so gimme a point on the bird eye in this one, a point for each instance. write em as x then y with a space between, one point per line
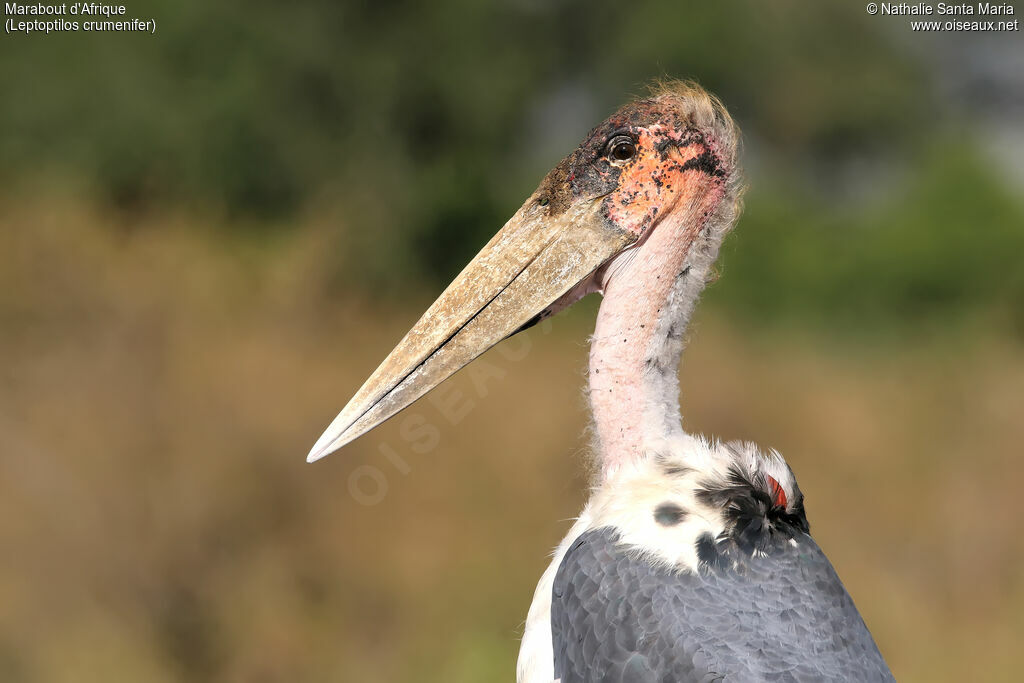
620 148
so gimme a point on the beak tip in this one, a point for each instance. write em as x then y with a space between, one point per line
327 444
337 434
530 264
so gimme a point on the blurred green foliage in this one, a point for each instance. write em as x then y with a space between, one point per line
421 126
943 245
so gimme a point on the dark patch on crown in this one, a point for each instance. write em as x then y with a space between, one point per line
706 162
753 521
669 514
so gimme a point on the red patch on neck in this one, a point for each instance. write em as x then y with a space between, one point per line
778 493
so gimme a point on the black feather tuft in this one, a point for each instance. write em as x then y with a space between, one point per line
707 552
753 522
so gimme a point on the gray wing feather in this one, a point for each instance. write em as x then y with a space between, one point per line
785 616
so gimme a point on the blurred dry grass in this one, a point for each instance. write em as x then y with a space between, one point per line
161 386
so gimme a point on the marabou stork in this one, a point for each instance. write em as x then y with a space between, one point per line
692 560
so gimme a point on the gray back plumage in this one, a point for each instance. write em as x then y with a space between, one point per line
781 615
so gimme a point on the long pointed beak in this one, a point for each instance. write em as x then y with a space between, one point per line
532 261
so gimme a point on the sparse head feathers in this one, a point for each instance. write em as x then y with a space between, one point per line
709 115
705 112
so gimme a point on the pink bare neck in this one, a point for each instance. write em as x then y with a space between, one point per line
649 293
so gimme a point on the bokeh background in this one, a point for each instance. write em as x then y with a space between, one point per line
210 236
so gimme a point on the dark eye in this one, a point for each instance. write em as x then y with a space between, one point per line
620 148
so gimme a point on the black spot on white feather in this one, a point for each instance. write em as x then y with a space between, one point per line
669 514
673 470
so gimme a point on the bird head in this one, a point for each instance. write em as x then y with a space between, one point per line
673 150
668 159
